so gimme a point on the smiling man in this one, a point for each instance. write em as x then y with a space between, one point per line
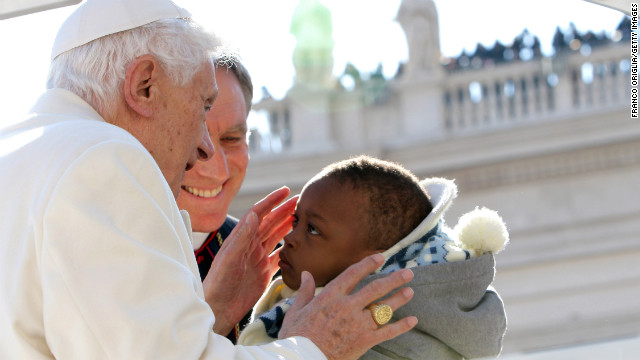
210 186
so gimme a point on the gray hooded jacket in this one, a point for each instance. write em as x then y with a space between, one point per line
459 315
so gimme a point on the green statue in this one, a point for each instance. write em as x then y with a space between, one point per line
313 55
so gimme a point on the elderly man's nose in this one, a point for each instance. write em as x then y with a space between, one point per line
205 150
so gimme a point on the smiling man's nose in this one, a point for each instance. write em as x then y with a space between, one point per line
216 167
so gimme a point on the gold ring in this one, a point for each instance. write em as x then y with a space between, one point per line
381 313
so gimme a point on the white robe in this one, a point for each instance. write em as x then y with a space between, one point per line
96 259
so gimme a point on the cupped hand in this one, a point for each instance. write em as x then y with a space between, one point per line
246 262
339 322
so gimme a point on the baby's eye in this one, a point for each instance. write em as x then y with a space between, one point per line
312 230
295 220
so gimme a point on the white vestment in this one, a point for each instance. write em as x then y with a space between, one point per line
96 258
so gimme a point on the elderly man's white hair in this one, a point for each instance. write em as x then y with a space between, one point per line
94 66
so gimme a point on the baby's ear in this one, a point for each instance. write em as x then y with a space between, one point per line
482 230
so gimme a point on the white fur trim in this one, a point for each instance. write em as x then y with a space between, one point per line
482 230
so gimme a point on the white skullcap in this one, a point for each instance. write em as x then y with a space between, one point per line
97 18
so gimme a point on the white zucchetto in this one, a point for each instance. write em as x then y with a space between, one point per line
97 18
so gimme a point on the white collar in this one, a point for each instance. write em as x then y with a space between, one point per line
199 239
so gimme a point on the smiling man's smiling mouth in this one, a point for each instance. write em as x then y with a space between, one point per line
203 193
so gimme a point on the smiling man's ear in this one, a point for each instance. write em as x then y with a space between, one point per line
141 76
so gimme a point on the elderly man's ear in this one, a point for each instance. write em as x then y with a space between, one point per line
140 84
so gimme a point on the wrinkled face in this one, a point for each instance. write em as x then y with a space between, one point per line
328 235
210 186
180 135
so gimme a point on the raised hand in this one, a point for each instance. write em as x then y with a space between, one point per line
245 264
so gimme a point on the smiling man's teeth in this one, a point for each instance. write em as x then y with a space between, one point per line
203 193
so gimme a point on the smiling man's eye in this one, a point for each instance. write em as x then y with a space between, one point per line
231 139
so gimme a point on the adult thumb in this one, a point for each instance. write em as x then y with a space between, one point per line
305 292
294 320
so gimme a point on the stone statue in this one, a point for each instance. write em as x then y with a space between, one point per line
419 19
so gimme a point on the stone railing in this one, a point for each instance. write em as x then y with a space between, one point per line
472 101
544 89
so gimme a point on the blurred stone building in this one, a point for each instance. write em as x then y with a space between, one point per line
547 141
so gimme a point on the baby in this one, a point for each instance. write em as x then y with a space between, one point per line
357 207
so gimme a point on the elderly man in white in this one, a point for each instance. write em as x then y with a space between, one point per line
96 258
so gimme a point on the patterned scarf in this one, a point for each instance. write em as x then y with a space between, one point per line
433 248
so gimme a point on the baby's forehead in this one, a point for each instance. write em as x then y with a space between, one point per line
332 189
331 182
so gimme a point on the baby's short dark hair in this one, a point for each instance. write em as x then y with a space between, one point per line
396 202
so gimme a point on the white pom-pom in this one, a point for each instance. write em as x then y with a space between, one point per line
482 230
